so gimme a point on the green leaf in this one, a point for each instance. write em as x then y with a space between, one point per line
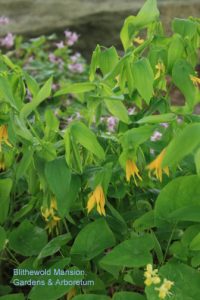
5 189
76 88
178 201
43 94
181 77
93 239
154 119
184 27
195 243
176 51
27 239
181 145
134 252
32 84
128 296
54 245
2 238
87 139
58 176
144 78
147 14
6 92
24 163
108 59
136 136
117 109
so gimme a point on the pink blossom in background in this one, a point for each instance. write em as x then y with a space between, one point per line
179 120
53 58
111 122
7 41
72 37
165 125
60 45
76 68
152 151
131 111
156 136
74 58
55 86
4 20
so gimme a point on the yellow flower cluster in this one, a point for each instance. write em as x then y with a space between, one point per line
49 215
164 289
195 80
152 277
160 67
97 198
138 40
132 170
4 136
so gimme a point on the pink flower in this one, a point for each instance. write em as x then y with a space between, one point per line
165 125
76 68
131 111
4 20
60 45
7 41
55 86
111 122
72 37
156 136
74 58
52 58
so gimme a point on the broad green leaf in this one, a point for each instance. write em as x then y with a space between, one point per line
185 27
136 136
42 95
183 144
128 296
24 163
2 238
93 239
118 109
146 221
58 176
54 245
134 252
108 59
27 239
143 78
94 62
5 189
76 88
6 92
176 51
178 201
32 84
181 77
154 119
197 161
87 139
147 14
195 243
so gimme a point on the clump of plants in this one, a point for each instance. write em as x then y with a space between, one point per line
117 208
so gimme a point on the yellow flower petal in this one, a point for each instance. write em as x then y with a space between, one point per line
132 170
156 166
97 198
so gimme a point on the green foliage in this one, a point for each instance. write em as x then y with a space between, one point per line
99 166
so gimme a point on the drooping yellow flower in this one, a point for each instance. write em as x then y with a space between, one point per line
49 215
132 170
97 198
4 136
195 80
156 166
160 67
151 276
164 289
138 40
